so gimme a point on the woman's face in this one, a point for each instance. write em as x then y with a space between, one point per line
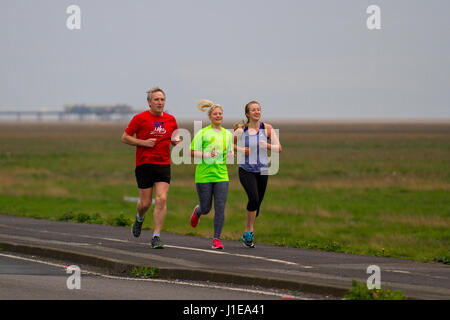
254 112
216 116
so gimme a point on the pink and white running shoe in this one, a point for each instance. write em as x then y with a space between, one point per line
217 244
194 218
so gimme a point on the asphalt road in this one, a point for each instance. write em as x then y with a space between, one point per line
191 258
26 277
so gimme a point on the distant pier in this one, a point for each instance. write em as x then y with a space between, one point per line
61 115
74 112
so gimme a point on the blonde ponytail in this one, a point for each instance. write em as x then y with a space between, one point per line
204 104
239 125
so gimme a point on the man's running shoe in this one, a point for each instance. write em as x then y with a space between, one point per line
137 227
157 243
194 218
217 244
247 239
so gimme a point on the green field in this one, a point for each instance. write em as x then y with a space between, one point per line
365 188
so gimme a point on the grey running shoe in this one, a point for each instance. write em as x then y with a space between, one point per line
137 227
247 239
157 243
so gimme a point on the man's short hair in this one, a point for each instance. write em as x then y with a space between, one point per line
153 90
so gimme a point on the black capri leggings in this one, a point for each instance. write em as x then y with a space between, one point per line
254 184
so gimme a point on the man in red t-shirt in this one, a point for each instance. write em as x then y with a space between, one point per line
153 129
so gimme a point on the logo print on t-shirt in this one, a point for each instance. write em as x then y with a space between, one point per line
159 128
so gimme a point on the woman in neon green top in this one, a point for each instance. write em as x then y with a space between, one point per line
210 148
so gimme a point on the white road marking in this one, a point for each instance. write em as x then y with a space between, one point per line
33 260
398 271
168 246
110 239
176 282
232 254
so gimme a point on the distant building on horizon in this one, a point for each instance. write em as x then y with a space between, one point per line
98 109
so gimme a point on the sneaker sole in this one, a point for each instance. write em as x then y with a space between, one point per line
192 225
132 233
217 248
247 246
193 213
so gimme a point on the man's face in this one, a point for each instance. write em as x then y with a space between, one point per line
157 102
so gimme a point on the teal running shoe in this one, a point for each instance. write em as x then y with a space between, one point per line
247 239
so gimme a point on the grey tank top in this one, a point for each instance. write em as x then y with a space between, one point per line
257 158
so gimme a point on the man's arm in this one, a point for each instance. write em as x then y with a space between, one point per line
132 141
175 139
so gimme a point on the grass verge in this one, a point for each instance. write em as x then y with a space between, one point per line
359 291
145 272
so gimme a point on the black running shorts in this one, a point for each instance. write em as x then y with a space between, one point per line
147 174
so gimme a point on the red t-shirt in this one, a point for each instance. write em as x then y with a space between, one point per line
146 125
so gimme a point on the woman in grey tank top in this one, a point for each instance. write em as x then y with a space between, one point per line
251 141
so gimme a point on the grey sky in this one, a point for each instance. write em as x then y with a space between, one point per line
300 59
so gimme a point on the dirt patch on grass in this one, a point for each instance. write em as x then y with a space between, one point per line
419 221
30 181
377 181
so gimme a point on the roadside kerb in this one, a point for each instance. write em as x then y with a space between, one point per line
122 267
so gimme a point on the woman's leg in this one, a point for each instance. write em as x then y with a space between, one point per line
249 182
205 192
220 190
261 181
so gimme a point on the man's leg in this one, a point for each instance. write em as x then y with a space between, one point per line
145 201
159 214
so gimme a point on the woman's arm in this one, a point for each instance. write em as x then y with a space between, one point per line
275 144
237 135
204 155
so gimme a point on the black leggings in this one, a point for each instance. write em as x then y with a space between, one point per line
255 185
